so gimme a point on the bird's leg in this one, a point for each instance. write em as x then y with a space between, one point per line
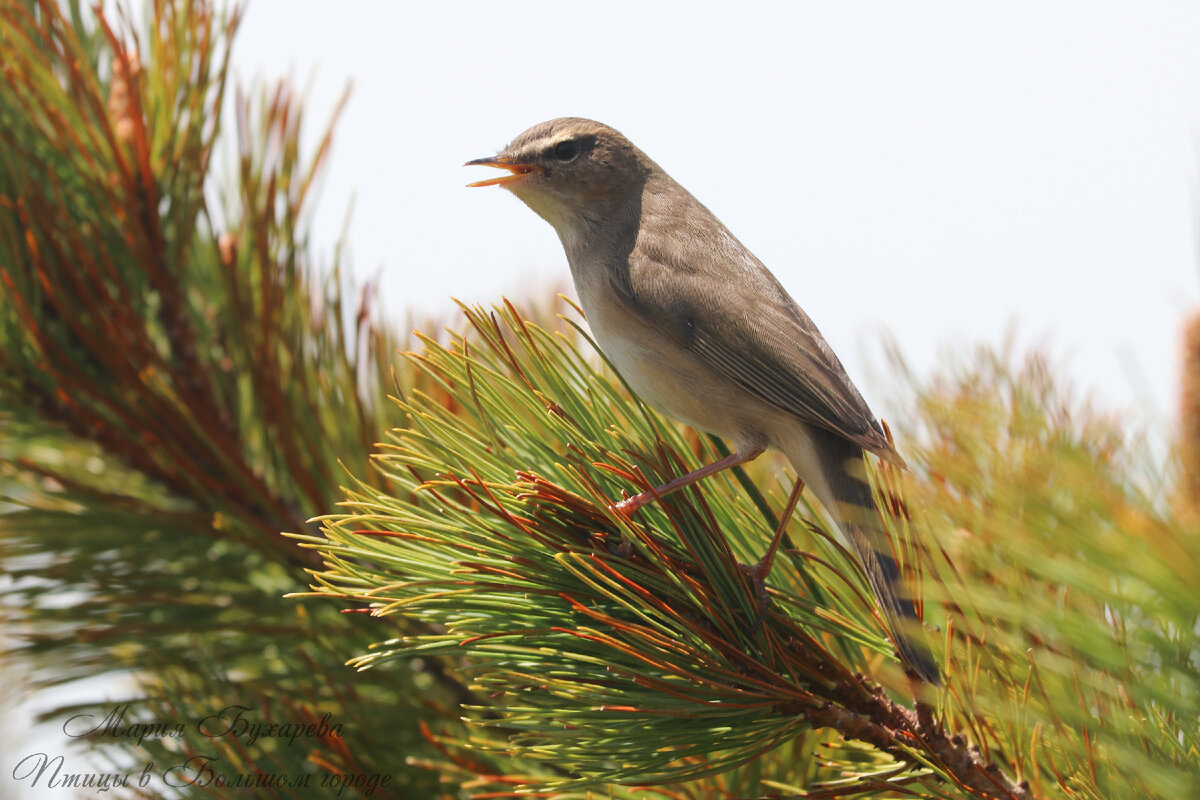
743 455
758 572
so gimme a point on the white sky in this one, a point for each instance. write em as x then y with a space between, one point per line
933 169
937 170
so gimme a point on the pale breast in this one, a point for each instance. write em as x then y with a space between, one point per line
666 376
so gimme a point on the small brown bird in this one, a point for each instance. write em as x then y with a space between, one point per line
701 329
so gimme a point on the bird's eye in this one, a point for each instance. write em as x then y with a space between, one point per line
565 151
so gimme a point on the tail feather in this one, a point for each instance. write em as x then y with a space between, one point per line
888 585
845 492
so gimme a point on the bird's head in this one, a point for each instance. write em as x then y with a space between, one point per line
570 170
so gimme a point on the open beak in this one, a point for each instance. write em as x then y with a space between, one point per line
517 170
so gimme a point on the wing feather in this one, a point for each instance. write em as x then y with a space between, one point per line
753 333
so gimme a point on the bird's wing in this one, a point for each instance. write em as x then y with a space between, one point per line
742 323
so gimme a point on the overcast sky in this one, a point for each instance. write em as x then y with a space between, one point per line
938 171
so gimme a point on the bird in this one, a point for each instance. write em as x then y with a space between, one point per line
699 328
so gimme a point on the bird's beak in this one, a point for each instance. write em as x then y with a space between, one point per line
517 170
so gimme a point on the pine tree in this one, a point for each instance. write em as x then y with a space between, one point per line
189 412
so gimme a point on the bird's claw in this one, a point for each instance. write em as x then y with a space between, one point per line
629 505
623 508
757 575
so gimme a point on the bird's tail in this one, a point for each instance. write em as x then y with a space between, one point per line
846 494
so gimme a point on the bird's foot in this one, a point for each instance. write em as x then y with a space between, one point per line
757 573
630 505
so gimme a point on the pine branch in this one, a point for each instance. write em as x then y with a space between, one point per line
176 395
617 624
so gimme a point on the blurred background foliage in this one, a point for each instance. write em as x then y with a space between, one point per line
182 390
